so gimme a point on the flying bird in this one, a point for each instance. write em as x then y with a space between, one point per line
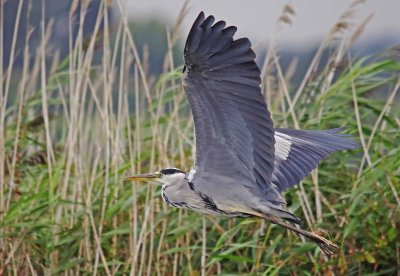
242 164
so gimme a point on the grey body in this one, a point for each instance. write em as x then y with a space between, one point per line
179 192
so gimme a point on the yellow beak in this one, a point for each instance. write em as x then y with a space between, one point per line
143 177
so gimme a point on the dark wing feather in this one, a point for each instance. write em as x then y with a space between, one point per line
298 152
234 130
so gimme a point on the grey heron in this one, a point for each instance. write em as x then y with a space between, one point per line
242 164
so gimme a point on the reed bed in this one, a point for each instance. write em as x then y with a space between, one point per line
72 128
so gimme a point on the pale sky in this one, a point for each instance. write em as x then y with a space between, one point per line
257 19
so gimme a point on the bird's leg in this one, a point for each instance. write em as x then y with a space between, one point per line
326 246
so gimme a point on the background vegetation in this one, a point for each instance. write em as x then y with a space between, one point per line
72 128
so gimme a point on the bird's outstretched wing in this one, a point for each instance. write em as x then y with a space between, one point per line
298 152
234 130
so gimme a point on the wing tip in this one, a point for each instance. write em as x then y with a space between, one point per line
200 17
193 39
208 38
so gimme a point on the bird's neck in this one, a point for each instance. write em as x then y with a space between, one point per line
176 193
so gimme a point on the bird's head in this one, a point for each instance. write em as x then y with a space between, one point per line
164 176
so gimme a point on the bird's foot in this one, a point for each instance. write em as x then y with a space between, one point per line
328 247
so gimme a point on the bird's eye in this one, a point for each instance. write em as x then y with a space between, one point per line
158 174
